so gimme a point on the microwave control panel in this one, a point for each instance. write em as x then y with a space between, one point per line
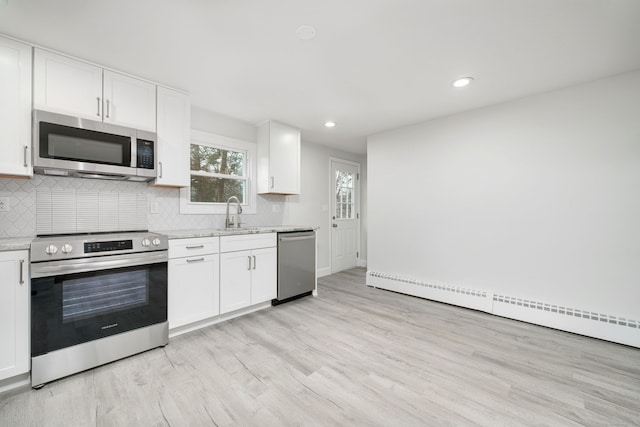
145 158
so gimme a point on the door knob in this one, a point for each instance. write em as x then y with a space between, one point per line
335 225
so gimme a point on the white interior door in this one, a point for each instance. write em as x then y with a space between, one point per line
345 215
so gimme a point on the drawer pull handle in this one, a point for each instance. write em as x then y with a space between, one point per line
195 247
195 260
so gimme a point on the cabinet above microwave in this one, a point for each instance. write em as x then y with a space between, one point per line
68 86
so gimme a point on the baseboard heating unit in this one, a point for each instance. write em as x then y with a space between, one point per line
593 324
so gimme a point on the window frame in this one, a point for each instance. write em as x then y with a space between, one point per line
225 143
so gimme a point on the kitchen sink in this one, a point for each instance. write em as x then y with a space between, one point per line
241 229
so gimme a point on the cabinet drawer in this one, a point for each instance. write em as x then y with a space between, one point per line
247 242
195 246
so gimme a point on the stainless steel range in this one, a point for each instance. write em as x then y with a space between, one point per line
95 298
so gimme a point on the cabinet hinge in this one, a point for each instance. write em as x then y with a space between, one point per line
358 176
357 216
357 254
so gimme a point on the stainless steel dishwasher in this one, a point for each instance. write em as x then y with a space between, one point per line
296 265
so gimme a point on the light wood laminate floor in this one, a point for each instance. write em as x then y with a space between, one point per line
352 356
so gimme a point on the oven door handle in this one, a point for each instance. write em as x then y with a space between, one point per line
81 265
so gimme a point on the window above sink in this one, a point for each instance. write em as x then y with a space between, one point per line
220 167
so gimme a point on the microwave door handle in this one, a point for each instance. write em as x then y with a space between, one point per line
134 151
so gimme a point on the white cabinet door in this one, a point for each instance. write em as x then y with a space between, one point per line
67 86
174 122
193 289
235 280
278 159
15 108
14 313
264 279
129 102
285 159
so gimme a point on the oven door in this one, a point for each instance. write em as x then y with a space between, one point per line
76 301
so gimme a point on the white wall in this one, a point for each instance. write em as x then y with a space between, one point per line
316 191
537 198
219 124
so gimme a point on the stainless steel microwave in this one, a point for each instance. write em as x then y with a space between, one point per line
71 146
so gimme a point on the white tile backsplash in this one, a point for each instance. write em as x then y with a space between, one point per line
22 219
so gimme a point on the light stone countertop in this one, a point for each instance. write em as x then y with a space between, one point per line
15 243
22 243
215 232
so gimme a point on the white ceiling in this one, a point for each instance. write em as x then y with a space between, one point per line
374 64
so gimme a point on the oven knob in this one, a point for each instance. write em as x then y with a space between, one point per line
51 249
66 248
156 242
146 242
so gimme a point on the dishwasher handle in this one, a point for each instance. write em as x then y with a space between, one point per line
294 238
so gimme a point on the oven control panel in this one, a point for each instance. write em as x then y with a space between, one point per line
116 245
50 248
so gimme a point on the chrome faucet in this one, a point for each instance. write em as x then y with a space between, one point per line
228 223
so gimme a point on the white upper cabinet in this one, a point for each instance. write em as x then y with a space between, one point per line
15 108
68 86
174 122
129 102
278 158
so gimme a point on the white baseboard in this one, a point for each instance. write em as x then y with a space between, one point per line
597 325
362 263
19 381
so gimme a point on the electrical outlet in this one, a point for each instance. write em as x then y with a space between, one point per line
275 208
153 208
4 204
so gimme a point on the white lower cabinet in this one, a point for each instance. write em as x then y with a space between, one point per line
194 280
14 313
248 270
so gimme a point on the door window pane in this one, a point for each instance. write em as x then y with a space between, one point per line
345 199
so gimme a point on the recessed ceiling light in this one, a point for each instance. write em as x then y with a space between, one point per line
306 32
462 82
330 124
